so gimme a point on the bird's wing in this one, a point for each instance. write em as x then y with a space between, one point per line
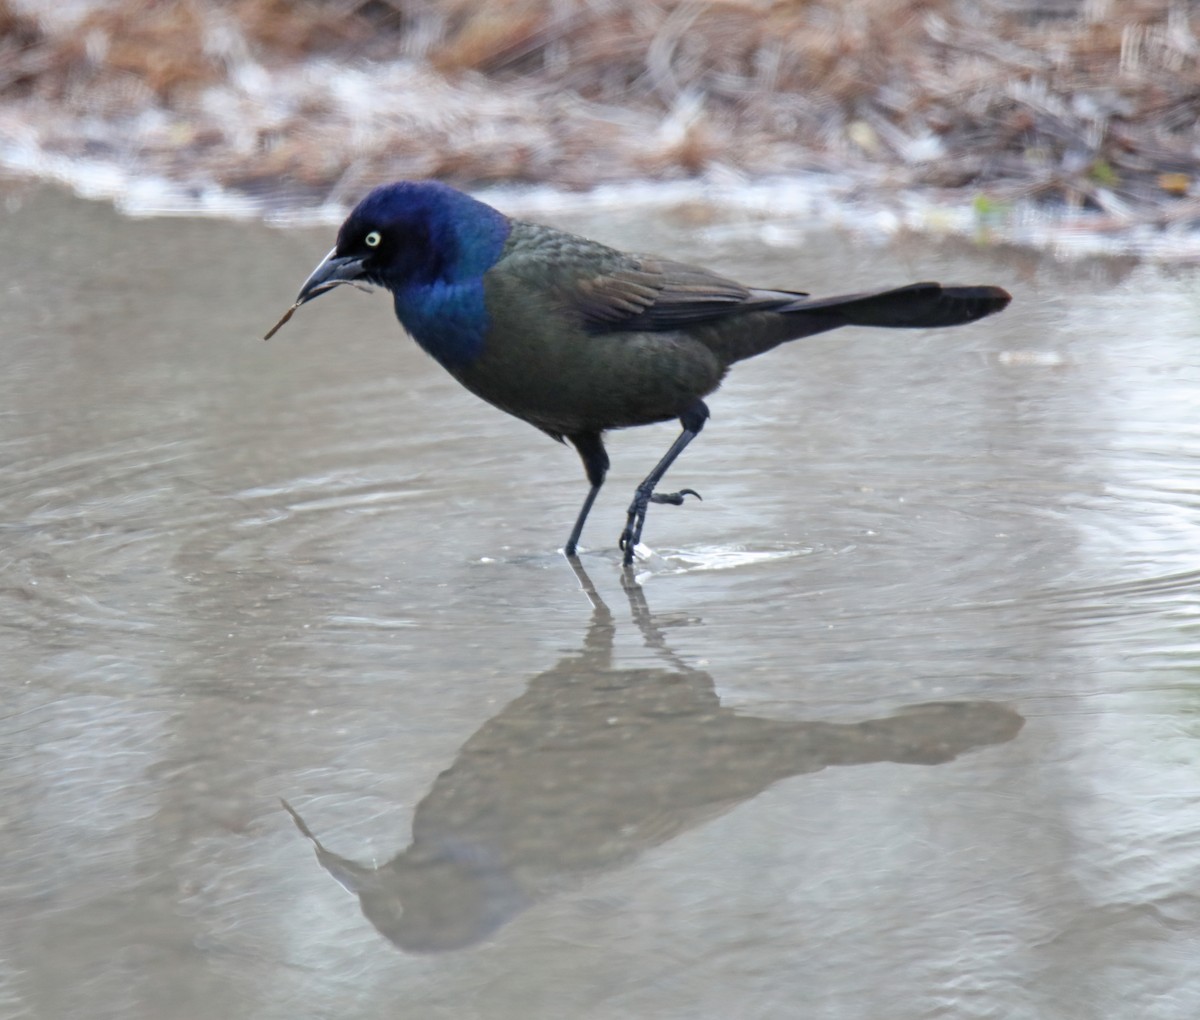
648 293
616 292
613 291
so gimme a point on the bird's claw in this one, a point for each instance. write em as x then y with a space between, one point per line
674 498
632 535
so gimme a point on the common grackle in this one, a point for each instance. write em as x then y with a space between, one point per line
575 337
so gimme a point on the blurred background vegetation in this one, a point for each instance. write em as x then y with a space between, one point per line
1089 102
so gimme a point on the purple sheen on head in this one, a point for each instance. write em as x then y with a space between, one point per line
434 246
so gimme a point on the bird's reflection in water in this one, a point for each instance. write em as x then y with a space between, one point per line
593 765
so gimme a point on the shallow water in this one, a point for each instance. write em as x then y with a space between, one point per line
903 720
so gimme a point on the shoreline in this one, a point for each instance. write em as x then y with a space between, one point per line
773 203
1073 132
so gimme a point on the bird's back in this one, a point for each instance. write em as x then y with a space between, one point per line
583 337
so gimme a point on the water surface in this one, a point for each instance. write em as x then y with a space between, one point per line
902 720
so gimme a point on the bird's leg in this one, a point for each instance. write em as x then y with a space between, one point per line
692 420
644 495
595 462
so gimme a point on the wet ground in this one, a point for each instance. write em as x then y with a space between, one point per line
902 721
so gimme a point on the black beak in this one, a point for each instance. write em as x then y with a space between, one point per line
334 269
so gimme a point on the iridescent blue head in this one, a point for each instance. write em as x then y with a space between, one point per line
430 246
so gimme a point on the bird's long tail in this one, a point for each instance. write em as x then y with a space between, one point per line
917 306
793 316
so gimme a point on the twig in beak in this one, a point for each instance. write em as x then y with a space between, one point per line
286 315
308 297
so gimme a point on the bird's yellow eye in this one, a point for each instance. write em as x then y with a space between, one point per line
373 239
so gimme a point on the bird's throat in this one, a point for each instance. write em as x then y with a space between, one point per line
449 320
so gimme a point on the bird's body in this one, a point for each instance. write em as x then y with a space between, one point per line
577 338
549 362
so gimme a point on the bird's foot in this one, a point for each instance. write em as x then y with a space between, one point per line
674 498
636 517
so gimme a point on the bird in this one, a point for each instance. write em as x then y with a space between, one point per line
578 338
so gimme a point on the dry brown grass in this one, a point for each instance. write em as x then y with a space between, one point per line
1084 100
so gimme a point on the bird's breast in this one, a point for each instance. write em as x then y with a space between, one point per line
449 321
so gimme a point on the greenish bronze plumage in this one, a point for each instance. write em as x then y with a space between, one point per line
577 338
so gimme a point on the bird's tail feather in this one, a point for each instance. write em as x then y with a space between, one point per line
917 306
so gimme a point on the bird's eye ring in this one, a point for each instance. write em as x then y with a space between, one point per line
373 239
